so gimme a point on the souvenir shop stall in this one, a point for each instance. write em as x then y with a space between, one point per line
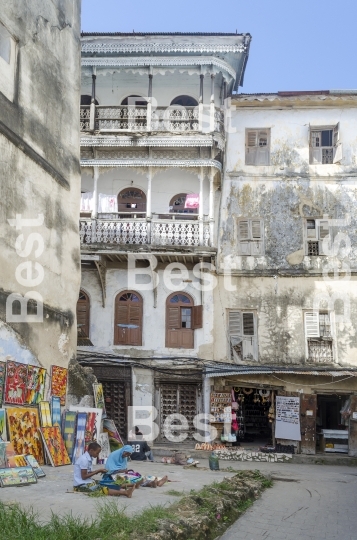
243 415
37 429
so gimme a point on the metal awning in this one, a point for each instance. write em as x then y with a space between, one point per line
269 370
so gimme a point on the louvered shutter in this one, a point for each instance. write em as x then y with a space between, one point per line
256 247
135 325
248 324
311 232
235 323
197 317
83 318
312 328
173 322
315 147
121 332
262 157
336 134
337 146
324 232
251 147
243 231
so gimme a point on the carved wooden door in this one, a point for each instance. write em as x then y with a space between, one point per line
308 405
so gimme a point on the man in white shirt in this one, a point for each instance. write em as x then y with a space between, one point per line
83 473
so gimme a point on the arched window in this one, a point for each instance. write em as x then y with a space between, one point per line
134 101
128 319
177 205
87 100
83 311
131 201
182 318
184 101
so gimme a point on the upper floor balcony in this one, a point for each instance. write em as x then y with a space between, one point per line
145 118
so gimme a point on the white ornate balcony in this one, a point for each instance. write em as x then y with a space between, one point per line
157 232
128 118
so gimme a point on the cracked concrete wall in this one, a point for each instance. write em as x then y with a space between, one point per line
282 282
40 174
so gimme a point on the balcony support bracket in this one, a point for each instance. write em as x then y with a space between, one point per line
102 274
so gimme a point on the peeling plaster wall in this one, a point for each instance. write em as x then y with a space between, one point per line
283 282
39 174
101 331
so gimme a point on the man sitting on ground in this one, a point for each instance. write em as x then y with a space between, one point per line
83 473
141 449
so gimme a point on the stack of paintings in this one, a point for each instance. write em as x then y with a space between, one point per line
54 445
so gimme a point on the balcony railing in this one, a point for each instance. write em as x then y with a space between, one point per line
157 232
143 118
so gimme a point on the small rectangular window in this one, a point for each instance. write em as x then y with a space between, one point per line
251 237
242 335
325 146
319 337
316 231
257 147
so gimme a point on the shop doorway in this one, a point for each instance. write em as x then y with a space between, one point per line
254 415
331 427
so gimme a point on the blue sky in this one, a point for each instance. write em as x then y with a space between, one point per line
297 45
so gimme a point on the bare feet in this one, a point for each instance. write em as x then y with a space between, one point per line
153 484
129 492
138 484
162 481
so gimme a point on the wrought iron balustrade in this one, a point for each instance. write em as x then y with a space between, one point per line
160 232
132 118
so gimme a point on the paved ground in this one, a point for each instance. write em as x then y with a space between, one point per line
321 504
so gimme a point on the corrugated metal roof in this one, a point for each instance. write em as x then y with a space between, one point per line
127 34
247 370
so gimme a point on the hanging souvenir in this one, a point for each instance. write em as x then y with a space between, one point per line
248 391
256 398
235 405
265 394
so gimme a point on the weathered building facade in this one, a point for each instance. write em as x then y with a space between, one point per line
286 301
152 144
40 180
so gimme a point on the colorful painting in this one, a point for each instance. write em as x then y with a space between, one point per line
23 423
115 440
56 410
54 445
69 430
94 424
17 461
32 462
59 382
35 387
15 383
2 380
103 440
3 425
80 436
99 398
45 414
17 477
3 459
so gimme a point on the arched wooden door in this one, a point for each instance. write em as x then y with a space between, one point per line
132 202
128 320
179 321
83 312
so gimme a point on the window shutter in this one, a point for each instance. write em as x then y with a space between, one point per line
337 153
251 147
173 318
248 324
315 155
197 317
311 229
244 244
121 318
262 157
312 328
257 237
235 323
336 134
324 232
135 323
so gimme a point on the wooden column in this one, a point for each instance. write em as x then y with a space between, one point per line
212 108
200 102
200 208
149 105
92 104
211 206
95 192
